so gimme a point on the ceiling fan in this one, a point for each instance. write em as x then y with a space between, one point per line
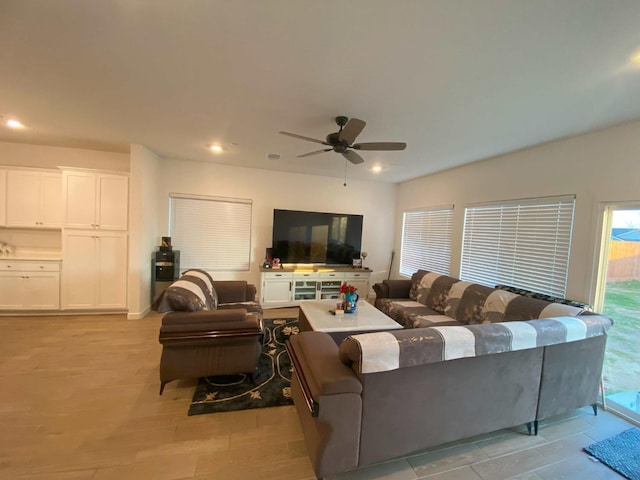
342 141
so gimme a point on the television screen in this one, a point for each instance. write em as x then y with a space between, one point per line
316 237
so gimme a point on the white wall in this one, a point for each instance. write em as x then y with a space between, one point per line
602 166
143 227
25 155
269 190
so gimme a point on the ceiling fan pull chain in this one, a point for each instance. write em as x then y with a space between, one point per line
345 173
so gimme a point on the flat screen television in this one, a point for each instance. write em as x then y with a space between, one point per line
316 237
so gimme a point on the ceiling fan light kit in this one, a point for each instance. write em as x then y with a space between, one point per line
342 141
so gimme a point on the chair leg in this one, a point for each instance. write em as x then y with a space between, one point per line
595 408
535 427
162 384
529 427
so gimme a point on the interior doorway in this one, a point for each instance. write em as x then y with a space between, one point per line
618 296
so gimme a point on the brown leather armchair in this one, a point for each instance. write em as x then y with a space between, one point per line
224 341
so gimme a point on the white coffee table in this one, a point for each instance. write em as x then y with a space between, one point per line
315 315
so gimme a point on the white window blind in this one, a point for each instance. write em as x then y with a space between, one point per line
211 233
426 241
524 244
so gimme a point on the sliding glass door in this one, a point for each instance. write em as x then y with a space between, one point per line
618 296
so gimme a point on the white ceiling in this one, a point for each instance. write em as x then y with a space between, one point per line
458 80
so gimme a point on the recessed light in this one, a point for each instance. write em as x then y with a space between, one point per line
635 57
215 148
376 169
13 123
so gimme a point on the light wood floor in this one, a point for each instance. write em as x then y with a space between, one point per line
79 400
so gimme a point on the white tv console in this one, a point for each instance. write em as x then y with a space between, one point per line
285 287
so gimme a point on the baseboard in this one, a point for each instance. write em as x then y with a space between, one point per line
138 315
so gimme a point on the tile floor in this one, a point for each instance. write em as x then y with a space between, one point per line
79 401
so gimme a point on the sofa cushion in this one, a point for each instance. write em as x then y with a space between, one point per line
232 291
403 311
453 300
415 283
433 290
471 303
496 305
422 321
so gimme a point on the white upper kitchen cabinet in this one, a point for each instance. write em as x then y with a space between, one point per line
33 199
98 201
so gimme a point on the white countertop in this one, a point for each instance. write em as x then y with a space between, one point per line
33 255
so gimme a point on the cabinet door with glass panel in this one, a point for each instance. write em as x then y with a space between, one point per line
330 283
305 286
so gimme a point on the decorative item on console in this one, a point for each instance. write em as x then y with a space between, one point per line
351 297
165 246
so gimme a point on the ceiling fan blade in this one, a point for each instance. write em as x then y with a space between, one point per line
309 139
351 130
380 146
314 153
353 157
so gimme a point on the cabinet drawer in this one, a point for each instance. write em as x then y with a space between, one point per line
355 276
29 266
277 275
306 276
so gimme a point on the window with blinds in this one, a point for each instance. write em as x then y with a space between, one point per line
211 233
426 240
524 244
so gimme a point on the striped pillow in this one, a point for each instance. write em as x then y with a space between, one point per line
190 293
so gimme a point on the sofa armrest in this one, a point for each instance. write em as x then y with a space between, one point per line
209 324
392 289
314 356
234 291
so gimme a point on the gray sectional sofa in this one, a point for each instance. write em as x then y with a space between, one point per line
472 360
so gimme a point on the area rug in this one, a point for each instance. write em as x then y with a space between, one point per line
271 385
620 452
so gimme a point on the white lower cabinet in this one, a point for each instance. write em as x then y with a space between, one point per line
276 288
29 285
360 280
94 274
